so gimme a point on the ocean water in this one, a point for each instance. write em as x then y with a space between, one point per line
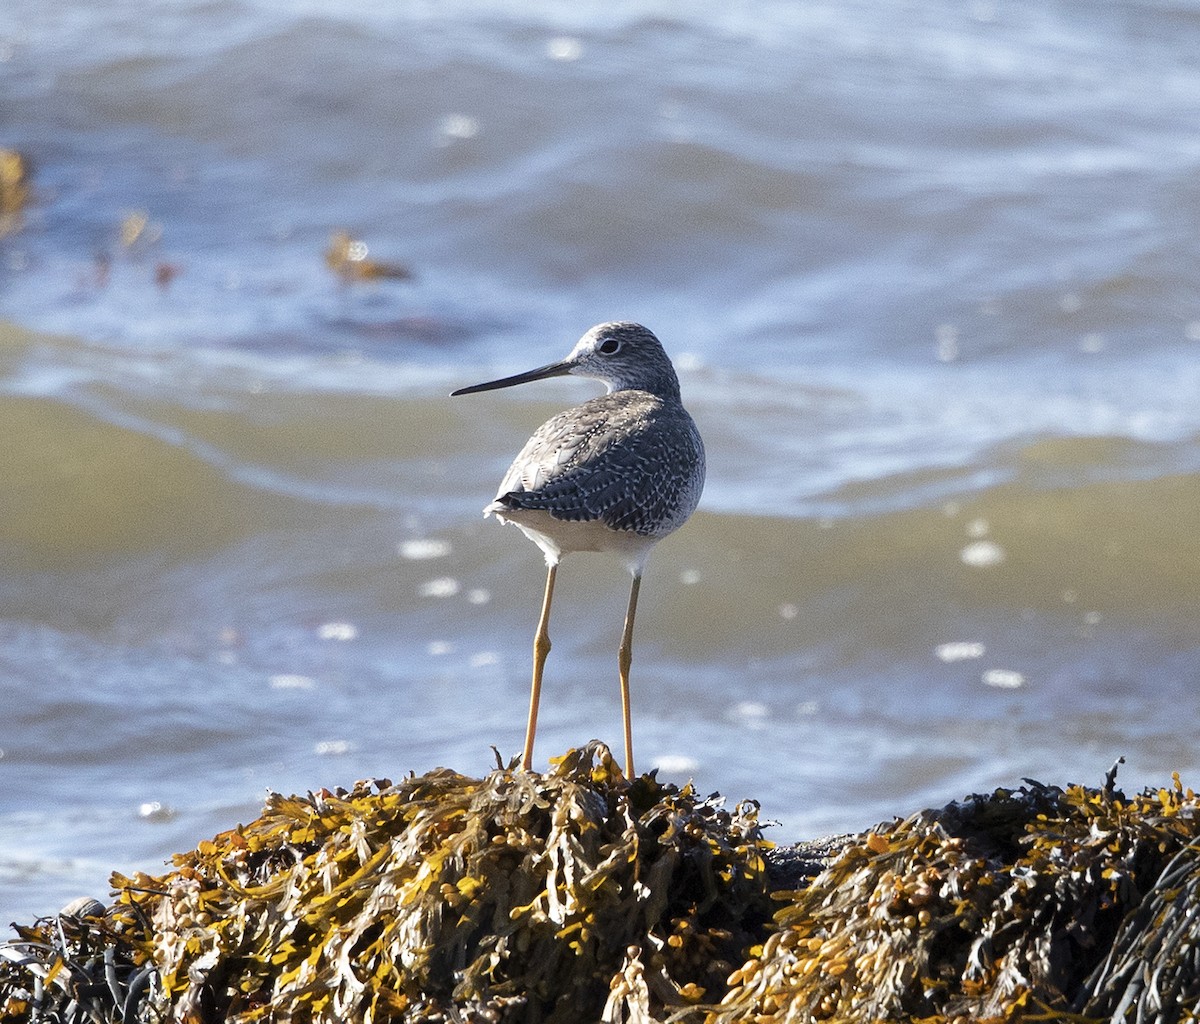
927 272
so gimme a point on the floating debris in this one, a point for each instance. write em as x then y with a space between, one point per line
350 259
138 237
137 230
579 895
15 190
166 272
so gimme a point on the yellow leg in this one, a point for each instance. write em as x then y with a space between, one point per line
541 648
624 658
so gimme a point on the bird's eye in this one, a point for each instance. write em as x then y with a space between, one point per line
609 346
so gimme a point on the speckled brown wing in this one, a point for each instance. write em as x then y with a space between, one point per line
627 459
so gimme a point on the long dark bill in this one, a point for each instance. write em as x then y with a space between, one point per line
549 370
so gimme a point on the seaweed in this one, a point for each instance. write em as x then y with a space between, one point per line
516 897
580 895
1037 903
79 965
15 190
348 258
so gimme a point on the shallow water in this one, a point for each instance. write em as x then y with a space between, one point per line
927 272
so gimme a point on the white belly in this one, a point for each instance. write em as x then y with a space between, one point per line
558 537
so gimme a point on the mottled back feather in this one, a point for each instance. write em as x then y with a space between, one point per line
630 459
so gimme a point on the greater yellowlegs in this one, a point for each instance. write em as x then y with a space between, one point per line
615 474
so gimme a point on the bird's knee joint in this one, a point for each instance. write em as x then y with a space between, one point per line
624 658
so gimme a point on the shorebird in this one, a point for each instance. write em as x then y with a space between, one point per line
615 474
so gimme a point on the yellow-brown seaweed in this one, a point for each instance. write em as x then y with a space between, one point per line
348 258
1034 904
579 895
15 190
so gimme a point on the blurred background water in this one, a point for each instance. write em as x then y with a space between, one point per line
928 272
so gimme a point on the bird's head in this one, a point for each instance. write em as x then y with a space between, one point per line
622 354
